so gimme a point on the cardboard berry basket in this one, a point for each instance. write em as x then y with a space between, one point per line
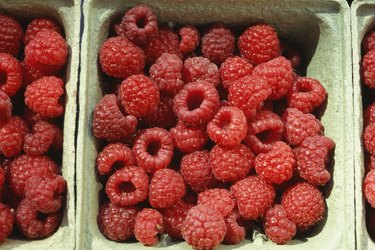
321 29
67 14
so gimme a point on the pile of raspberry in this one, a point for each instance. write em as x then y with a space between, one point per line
32 191
207 135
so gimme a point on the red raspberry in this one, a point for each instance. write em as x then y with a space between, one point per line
188 139
298 126
369 188
253 204
369 114
200 68
189 39
166 73
148 224
31 118
312 157
6 221
10 74
38 25
369 163
109 122
368 42
120 58
277 226
264 130
115 222
219 199
259 44
30 223
196 170
139 24
369 138
367 69
30 74
163 116
279 75
203 228
231 164
166 188
248 94
306 94
10 35
236 231
114 155
45 194
233 69
5 107
43 96
218 43
174 217
304 205
291 54
153 149
277 165
12 134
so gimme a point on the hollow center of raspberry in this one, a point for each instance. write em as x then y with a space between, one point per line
3 78
225 120
126 187
304 88
41 216
153 147
141 22
194 100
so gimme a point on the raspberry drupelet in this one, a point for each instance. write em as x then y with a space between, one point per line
277 226
233 69
174 217
189 139
219 199
369 114
368 69
369 138
368 42
12 134
200 68
10 74
5 107
114 155
148 224
37 25
369 188
6 222
189 39
10 35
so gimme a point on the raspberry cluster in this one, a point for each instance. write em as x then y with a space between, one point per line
32 191
192 145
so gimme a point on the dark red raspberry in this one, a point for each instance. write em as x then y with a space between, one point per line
189 39
174 217
43 96
218 43
41 138
231 164
369 188
264 130
304 205
189 139
200 68
369 114
114 155
312 157
38 25
115 222
203 228
252 204
291 54
236 231
109 122
259 44
12 134
5 107
163 116
369 138
148 224
120 58
196 103
277 226
10 74
248 94
219 199
2 179
368 42
6 220
139 24
166 73
306 94
298 126
10 35
234 68
30 74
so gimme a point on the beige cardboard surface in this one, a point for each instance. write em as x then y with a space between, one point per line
320 27
67 13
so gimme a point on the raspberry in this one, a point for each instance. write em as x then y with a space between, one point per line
369 114
259 44
196 171
298 126
116 223
229 127
10 35
138 24
196 103
277 226
369 138
188 139
35 225
120 58
291 54
114 155
153 149
166 73
367 69
148 224
312 157
10 74
166 188
306 94
163 116
219 199
279 75
369 188
236 232
109 122
2 180
200 68
189 39
218 43
304 205
38 25
5 107
277 165
233 69
30 74
45 194
369 163
43 96
231 164
6 220
264 130
203 228
253 204
12 134
248 94
368 42
174 217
